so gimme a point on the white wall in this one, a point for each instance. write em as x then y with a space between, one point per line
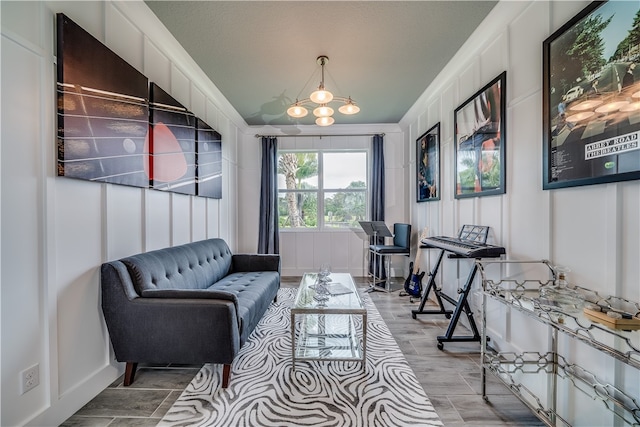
594 230
57 231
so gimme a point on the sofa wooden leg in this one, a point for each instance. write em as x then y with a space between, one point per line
129 372
226 372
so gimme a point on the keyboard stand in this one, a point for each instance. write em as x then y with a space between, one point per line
437 292
461 305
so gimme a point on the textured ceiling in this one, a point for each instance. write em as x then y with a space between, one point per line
262 55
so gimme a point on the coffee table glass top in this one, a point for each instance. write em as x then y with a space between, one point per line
339 293
326 318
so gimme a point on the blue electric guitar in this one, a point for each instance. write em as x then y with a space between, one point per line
413 284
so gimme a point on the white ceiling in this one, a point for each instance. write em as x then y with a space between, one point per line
262 54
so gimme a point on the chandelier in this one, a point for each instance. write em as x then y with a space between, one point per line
319 100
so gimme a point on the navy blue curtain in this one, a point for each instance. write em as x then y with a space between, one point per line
377 192
268 237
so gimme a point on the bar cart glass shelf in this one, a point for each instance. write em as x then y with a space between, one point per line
608 324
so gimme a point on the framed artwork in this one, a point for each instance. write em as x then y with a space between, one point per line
209 155
428 165
171 143
103 111
591 97
480 142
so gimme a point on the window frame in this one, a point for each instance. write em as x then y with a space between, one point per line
321 190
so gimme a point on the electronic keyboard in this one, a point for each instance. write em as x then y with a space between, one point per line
464 247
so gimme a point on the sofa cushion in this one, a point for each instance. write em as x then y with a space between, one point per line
255 292
192 266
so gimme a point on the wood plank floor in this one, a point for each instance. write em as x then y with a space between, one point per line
450 377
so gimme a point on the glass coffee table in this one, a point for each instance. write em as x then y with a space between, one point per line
326 319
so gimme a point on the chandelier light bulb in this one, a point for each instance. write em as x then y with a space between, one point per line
323 111
325 121
349 108
321 96
297 111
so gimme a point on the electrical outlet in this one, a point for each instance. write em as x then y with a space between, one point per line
29 378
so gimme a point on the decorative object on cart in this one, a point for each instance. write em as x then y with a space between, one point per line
591 98
428 165
480 142
320 100
558 294
612 317
413 284
615 398
470 243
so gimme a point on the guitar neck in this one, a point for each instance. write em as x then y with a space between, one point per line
416 267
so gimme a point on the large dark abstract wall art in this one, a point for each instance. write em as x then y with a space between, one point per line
171 144
102 111
209 161
115 127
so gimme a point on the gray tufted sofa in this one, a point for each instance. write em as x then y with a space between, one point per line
190 304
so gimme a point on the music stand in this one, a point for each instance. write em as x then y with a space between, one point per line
365 246
375 229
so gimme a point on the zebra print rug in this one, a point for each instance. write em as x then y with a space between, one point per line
265 391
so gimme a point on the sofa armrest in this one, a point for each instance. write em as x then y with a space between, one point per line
163 329
190 293
194 294
255 262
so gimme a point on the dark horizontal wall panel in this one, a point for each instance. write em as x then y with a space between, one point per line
172 144
103 111
209 161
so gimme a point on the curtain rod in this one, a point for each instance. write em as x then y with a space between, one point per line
319 136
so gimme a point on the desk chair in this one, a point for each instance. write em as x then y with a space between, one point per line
382 253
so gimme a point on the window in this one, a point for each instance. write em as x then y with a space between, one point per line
322 189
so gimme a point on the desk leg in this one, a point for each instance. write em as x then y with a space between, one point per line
364 341
293 340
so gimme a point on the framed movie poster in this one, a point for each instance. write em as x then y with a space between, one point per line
480 142
428 165
591 97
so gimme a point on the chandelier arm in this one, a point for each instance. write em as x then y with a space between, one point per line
305 102
308 101
344 99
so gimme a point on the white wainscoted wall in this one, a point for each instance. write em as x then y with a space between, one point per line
57 231
593 230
